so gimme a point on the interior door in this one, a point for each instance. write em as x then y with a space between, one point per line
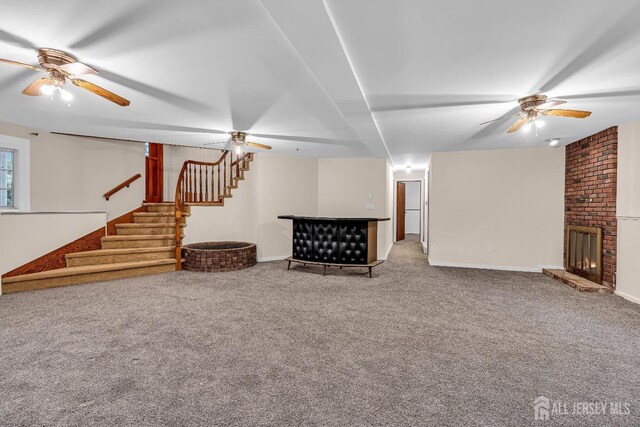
400 208
412 211
153 172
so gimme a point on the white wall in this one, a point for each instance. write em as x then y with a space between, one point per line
628 211
497 209
388 225
27 236
286 185
346 186
425 203
72 174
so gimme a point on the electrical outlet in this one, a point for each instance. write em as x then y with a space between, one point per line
489 247
370 206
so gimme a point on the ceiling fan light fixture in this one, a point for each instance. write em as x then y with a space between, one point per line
239 150
65 95
535 106
62 67
47 89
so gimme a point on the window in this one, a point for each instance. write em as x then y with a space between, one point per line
6 178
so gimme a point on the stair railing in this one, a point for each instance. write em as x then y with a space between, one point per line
206 184
120 186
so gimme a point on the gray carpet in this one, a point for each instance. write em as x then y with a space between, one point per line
415 345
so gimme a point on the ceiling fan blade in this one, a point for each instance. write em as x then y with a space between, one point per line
34 88
104 138
500 118
578 114
217 143
550 104
257 145
21 64
117 99
78 69
517 125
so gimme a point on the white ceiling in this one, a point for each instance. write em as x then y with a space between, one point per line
332 78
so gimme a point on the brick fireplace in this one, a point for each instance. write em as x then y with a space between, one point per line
590 192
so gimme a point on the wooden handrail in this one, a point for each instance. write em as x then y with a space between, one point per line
119 187
200 183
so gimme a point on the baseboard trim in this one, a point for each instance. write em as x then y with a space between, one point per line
273 258
628 297
491 267
386 256
425 250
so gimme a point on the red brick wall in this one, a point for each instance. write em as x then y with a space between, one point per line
591 167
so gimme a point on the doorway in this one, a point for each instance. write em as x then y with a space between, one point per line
408 209
153 167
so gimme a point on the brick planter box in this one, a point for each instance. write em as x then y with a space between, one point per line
219 256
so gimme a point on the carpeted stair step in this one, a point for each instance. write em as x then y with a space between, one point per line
163 207
85 274
139 241
149 228
114 256
157 217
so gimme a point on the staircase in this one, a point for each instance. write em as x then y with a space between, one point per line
151 244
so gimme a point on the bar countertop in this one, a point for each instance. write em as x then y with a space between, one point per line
322 218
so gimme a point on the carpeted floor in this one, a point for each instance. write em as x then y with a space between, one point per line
415 345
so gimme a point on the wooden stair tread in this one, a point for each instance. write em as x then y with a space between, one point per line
160 214
149 225
139 237
88 269
158 203
119 251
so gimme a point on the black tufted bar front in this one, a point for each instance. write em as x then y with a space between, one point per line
342 242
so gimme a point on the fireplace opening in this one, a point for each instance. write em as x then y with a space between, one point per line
583 252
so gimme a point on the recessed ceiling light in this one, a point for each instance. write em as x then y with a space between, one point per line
553 142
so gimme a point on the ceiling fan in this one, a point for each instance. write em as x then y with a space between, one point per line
60 67
531 107
239 140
